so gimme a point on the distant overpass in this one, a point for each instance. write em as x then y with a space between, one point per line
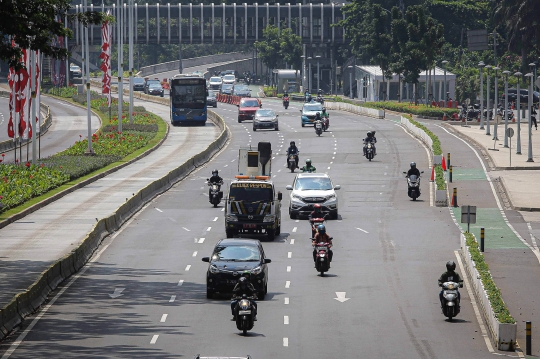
221 24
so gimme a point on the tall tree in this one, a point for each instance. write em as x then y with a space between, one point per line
33 23
269 48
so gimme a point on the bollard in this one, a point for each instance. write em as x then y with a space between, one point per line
448 157
454 198
481 239
450 172
528 344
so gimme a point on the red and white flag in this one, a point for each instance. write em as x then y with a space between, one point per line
11 80
105 56
22 94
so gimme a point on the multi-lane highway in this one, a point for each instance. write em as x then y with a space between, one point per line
144 294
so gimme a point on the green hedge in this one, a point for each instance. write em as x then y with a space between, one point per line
405 107
494 293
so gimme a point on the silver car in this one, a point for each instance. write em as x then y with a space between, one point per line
267 119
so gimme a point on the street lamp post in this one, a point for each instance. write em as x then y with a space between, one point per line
488 67
444 92
350 80
529 106
303 72
318 73
130 54
505 112
518 108
495 103
90 151
481 66
310 79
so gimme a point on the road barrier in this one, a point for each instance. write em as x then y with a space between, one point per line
29 301
359 110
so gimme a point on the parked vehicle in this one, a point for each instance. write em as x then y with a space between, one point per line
524 93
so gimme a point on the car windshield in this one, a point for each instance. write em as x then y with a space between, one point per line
211 94
188 96
241 87
313 184
74 68
215 79
150 82
249 103
154 86
236 253
226 87
266 113
242 192
229 77
138 80
313 107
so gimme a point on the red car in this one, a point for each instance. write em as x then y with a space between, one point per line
247 108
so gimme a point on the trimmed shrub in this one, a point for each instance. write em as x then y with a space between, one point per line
405 107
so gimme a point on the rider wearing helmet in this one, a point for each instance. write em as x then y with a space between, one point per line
413 171
215 179
307 96
322 237
324 113
370 139
308 167
292 150
317 117
317 212
450 276
244 286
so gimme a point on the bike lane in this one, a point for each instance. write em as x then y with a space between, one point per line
514 266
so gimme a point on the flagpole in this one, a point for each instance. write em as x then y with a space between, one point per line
32 123
88 99
121 66
130 34
39 103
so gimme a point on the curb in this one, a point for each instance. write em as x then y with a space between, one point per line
485 153
29 301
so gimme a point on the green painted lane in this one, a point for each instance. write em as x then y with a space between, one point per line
497 233
467 174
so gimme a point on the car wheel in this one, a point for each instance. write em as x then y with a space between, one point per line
271 234
254 129
229 233
209 294
292 215
276 129
261 295
239 121
335 215
303 125
215 106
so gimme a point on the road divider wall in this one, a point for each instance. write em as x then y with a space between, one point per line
46 123
29 301
501 324
359 110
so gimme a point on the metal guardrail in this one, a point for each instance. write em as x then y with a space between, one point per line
47 121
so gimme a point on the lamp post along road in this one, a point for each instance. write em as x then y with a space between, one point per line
481 66
445 97
529 105
33 115
120 65
90 151
518 108
350 81
487 105
318 73
495 103
505 112
130 34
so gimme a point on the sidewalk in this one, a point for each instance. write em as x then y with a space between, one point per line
514 266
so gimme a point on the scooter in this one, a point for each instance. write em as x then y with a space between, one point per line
450 305
322 260
318 127
286 102
244 313
292 163
320 99
326 122
215 192
370 150
413 185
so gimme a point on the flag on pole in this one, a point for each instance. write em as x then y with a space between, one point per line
12 79
21 90
105 56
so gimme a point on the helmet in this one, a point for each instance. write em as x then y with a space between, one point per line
413 165
324 109
317 207
246 274
215 172
321 229
318 114
370 134
308 162
450 265
293 143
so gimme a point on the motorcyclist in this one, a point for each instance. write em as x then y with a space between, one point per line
370 139
413 171
317 117
324 113
319 92
322 237
293 150
285 96
317 213
308 167
244 286
215 179
450 276
307 96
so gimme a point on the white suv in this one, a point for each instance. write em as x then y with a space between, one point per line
309 189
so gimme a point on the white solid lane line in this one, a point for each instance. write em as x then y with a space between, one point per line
287 284
194 254
173 298
154 339
286 319
163 318
159 210
363 230
188 267
288 268
286 301
285 342
180 282
289 255
201 240
215 219
292 241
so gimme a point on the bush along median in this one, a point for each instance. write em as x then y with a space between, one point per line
419 110
25 184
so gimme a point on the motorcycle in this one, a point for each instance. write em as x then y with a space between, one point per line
473 113
320 99
318 127
450 305
244 313
215 192
286 102
322 260
326 122
370 150
413 184
307 98
509 113
292 163
315 222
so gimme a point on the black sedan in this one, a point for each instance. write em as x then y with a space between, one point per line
138 84
211 99
155 89
230 258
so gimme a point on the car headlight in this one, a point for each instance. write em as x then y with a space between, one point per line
269 218
256 270
244 304
298 197
214 269
232 218
330 196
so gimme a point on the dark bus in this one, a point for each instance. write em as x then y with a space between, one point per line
188 100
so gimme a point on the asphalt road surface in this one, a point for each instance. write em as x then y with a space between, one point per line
388 254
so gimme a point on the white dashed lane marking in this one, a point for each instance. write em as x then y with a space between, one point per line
159 210
180 282
288 284
163 318
154 339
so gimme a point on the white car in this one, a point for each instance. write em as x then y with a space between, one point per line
229 79
215 83
309 189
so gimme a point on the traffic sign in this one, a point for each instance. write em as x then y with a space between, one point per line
510 132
